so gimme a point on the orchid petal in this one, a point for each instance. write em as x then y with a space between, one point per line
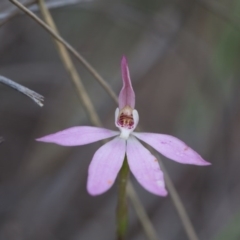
105 166
172 148
78 136
145 167
127 95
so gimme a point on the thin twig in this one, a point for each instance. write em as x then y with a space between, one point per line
147 226
179 207
37 98
69 47
68 64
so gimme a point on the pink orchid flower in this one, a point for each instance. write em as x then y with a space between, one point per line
108 159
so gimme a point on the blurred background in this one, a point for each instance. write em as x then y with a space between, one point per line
184 63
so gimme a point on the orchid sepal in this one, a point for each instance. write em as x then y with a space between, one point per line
172 148
80 135
126 95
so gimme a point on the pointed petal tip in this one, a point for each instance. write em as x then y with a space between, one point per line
94 192
41 139
124 59
124 65
201 162
160 192
164 193
205 163
48 139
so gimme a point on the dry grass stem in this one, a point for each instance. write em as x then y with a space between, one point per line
68 64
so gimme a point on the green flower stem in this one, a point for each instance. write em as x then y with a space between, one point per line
122 219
